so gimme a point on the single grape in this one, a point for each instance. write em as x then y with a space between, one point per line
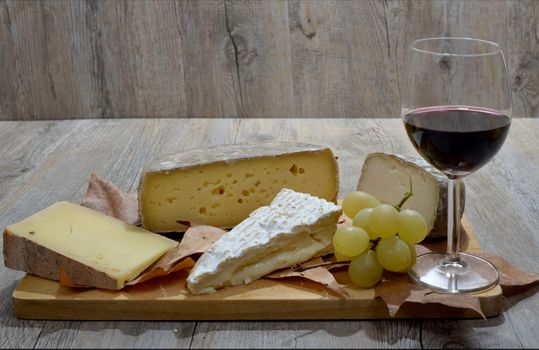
412 226
413 257
350 241
364 270
355 201
384 220
341 257
393 254
363 220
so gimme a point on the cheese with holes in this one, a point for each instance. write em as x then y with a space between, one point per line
93 249
292 229
221 186
387 177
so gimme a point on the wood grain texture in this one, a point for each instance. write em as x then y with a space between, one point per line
314 334
523 55
141 46
502 206
412 20
209 57
232 58
342 59
144 335
261 42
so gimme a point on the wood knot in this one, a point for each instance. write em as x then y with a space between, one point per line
249 56
517 82
445 63
308 27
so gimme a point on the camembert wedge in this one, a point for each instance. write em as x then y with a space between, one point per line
93 249
292 229
220 186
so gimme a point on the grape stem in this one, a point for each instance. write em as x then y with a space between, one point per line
407 196
375 243
301 268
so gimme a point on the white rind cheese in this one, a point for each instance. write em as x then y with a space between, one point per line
387 177
294 228
221 186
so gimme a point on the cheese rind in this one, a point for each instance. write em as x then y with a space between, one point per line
221 186
387 177
92 248
293 229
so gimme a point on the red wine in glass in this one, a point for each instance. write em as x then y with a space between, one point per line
457 140
456 108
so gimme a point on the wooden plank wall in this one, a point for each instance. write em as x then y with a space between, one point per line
63 59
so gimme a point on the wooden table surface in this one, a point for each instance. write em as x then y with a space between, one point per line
223 58
43 162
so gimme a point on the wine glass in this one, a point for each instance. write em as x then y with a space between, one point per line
456 107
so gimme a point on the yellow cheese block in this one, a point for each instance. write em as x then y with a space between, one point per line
92 248
221 186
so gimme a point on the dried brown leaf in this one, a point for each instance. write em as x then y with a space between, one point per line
461 301
512 280
105 197
284 272
199 238
326 278
196 240
158 269
397 289
421 249
318 275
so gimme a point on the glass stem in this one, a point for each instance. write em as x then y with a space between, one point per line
453 221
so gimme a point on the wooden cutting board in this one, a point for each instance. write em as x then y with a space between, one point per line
167 298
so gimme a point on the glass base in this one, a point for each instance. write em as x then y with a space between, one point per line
468 274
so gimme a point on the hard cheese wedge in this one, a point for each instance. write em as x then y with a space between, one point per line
387 177
93 249
221 186
294 228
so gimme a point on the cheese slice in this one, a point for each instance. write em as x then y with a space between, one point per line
221 186
92 248
294 228
387 177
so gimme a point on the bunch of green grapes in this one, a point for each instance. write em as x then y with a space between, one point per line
382 236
